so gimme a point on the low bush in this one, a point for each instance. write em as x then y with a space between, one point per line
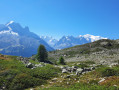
45 72
22 81
107 71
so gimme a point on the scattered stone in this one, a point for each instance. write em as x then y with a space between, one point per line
74 67
79 71
92 68
60 81
29 65
103 79
54 79
64 71
78 81
42 85
115 85
39 65
78 63
67 83
68 76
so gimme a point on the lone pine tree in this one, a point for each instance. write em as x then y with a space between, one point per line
61 60
42 55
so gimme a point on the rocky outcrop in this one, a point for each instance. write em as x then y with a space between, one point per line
75 69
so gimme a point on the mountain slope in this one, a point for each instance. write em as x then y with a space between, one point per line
16 40
101 51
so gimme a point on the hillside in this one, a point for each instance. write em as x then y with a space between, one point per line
102 51
86 75
92 66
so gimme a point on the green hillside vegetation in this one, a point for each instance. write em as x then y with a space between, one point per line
15 76
99 62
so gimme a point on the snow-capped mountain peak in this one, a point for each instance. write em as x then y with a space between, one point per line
9 23
50 40
19 41
69 41
7 29
91 37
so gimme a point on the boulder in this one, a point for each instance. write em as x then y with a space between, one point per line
38 65
64 71
68 76
79 71
54 79
86 69
74 67
92 68
29 65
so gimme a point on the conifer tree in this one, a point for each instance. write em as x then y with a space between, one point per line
61 60
42 55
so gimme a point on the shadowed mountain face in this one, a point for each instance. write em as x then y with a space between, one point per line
16 40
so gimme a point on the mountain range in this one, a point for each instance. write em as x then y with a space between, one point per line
19 41
69 41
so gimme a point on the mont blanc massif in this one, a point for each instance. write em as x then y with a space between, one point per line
19 41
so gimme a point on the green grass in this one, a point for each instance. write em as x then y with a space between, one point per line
15 76
79 86
34 62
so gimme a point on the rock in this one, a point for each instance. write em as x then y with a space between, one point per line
62 67
86 69
92 68
103 79
78 81
74 67
29 65
115 85
79 71
31 89
64 71
42 85
68 76
67 83
54 79
38 65
78 63
69 69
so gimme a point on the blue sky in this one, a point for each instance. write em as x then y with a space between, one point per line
64 17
